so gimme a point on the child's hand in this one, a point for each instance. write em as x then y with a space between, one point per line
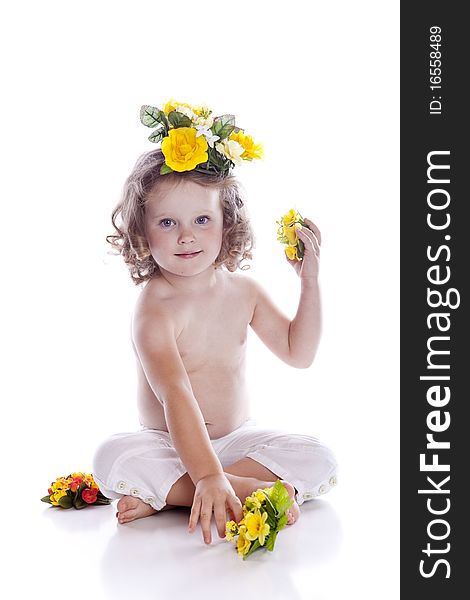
214 492
309 266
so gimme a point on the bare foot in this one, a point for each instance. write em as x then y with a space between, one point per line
244 486
130 508
294 511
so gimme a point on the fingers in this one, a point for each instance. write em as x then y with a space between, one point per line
194 516
202 513
220 517
310 239
205 518
311 225
235 508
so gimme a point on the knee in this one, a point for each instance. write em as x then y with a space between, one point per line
105 456
320 468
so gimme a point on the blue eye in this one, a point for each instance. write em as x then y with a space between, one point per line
165 223
202 220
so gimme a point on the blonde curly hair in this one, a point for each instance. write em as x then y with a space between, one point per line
128 217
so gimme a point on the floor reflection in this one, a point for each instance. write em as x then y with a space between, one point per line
154 557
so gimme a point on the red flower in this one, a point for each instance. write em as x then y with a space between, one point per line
76 481
89 495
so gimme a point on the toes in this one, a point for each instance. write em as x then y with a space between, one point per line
126 504
128 515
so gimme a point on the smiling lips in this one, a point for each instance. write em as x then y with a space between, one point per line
189 254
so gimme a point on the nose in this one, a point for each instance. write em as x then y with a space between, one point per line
186 236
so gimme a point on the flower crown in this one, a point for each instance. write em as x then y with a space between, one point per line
194 140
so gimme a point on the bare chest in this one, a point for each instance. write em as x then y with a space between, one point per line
212 332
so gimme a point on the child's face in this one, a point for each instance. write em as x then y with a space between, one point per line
184 225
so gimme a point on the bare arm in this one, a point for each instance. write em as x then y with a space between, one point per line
295 342
154 339
155 343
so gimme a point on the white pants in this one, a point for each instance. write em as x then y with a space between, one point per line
145 464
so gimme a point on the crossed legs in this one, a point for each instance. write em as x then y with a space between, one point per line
246 475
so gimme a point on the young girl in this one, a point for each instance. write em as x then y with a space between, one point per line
183 234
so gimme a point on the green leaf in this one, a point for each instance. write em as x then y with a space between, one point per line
280 498
101 501
151 116
271 540
79 502
158 134
223 126
46 499
216 163
281 523
79 490
254 546
177 119
65 502
165 169
271 514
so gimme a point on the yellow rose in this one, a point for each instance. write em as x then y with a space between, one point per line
183 151
291 234
291 252
290 218
172 105
251 150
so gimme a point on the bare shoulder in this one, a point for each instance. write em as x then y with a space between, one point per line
240 280
247 285
245 289
153 308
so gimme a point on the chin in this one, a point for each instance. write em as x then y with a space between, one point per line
189 270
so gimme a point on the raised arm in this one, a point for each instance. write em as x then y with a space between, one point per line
295 342
154 339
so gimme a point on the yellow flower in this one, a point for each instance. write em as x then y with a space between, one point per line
243 543
290 218
291 234
61 483
256 526
253 501
182 107
56 496
260 496
183 151
251 150
291 252
231 529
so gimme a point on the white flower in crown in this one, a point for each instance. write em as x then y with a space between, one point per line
206 121
207 133
231 150
186 111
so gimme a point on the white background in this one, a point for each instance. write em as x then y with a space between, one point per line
318 84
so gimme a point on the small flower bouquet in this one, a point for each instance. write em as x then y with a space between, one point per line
78 490
264 515
287 234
